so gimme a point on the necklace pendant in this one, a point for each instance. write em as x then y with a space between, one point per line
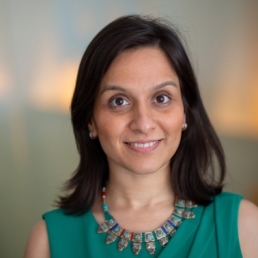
180 203
179 212
136 243
171 233
190 204
163 241
126 235
137 237
110 237
149 237
169 226
150 246
102 228
175 220
160 233
188 214
111 224
136 247
122 244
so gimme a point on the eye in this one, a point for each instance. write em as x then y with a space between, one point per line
119 101
162 99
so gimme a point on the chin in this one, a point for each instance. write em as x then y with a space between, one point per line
148 170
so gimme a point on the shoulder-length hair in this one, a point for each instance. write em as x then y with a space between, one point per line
192 166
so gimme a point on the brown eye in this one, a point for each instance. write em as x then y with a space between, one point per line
118 102
162 99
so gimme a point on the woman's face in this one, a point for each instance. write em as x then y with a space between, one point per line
138 114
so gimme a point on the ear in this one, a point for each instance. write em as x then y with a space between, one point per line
92 128
183 124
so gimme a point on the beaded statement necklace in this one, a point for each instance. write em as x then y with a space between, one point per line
182 211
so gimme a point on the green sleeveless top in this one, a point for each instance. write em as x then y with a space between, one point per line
212 233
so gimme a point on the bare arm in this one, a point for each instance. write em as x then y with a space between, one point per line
248 229
37 244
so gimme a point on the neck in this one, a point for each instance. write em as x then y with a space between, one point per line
139 191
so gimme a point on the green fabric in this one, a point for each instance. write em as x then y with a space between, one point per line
212 233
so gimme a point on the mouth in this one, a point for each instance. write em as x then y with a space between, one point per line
143 147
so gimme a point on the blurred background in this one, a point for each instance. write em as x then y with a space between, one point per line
41 43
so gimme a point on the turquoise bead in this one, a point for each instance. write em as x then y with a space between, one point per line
149 237
137 237
105 207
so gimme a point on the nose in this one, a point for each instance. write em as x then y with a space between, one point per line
143 119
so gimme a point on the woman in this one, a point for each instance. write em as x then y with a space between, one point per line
146 158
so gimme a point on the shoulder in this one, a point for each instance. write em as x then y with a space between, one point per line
248 228
59 218
37 244
228 196
54 214
227 203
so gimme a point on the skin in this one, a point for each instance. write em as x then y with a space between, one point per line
139 79
138 118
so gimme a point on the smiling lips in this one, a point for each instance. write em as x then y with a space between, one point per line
143 146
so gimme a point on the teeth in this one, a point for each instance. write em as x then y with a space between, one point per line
143 145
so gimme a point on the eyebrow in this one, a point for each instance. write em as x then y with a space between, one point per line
164 84
121 89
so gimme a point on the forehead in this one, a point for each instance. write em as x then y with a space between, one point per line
148 64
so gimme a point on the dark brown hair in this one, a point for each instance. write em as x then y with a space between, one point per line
192 166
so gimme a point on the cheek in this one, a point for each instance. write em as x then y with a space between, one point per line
108 127
174 121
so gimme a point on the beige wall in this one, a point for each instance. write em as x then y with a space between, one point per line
41 45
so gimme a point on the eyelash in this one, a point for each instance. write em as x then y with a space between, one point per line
112 102
167 97
114 105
